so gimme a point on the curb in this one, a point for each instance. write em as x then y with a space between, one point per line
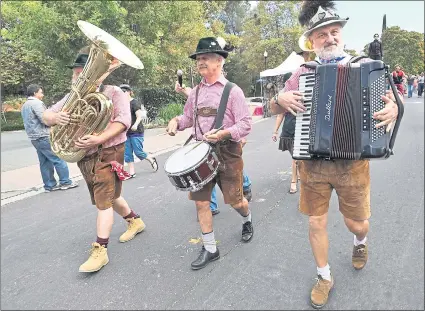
32 191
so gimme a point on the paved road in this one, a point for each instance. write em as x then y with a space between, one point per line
17 150
44 239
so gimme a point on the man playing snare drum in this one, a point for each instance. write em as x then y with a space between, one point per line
210 58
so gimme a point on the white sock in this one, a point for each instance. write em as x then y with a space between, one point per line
246 218
209 242
357 242
325 272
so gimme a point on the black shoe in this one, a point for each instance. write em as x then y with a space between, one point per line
204 258
247 231
215 212
247 194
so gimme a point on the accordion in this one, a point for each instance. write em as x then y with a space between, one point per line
340 101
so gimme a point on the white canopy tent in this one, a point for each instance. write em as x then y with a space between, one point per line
289 65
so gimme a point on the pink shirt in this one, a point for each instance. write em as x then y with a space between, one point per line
237 119
121 113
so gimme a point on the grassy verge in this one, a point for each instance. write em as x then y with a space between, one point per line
13 121
167 113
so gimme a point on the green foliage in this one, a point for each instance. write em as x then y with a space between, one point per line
405 48
13 122
154 99
272 27
166 113
351 52
39 38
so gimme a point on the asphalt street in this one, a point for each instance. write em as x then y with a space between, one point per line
45 238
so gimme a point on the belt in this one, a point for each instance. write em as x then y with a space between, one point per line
207 112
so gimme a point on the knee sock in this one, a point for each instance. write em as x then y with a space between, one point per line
209 242
247 217
131 215
325 272
357 242
102 241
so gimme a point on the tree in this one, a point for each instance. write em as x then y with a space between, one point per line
405 48
351 52
273 27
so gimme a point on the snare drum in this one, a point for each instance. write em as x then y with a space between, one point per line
191 167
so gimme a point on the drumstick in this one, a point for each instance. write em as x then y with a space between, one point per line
215 132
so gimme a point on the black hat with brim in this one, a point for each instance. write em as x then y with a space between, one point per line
80 61
125 87
209 45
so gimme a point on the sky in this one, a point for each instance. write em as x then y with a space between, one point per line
366 19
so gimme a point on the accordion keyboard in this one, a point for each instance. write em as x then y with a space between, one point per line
302 124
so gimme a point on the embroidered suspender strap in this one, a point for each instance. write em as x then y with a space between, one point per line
195 115
223 105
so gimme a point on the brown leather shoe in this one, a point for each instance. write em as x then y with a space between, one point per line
359 258
320 292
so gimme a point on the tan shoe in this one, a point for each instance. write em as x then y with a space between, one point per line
135 225
320 292
359 258
98 258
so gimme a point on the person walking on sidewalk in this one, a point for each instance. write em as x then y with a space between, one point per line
398 77
38 132
135 134
349 178
410 81
247 192
420 84
102 165
200 114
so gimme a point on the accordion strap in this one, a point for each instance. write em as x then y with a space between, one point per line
355 59
311 65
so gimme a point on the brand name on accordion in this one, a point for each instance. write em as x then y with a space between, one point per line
328 108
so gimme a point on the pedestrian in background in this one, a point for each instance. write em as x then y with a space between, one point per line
420 84
135 134
38 133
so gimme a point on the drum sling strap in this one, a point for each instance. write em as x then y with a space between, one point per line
218 122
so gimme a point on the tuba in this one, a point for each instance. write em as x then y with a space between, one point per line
90 111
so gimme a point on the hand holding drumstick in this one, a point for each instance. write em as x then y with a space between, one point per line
172 127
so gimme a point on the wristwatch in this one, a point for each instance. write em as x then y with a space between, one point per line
276 98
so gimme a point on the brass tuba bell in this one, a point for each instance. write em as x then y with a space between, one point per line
90 111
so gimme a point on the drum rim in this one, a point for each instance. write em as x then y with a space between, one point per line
191 168
194 167
201 184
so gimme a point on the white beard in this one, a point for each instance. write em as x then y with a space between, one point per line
328 54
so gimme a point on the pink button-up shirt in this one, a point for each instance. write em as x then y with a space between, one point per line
121 113
237 119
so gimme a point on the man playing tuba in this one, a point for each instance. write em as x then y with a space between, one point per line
102 164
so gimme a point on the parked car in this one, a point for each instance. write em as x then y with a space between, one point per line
258 106
255 105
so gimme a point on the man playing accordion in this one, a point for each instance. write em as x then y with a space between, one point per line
350 178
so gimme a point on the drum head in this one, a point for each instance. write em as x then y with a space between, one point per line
186 157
